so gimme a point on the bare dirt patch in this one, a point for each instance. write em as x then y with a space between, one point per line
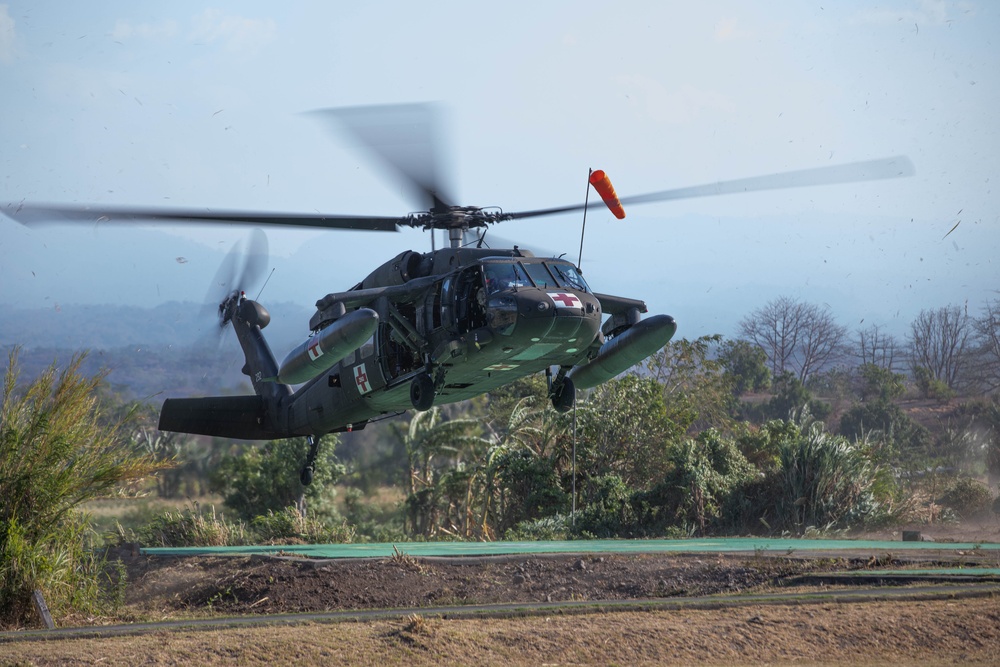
259 585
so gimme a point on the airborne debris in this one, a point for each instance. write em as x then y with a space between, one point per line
952 229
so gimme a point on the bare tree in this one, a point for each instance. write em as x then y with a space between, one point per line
797 336
821 342
874 346
941 341
987 330
775 329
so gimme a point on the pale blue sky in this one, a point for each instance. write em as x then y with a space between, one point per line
194 104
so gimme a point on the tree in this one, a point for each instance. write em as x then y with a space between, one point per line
746 366
775 328
876 347
58 449
445 468
940 342
879 382
624 426
796 336
987 330
705 471
822 342
789 399
266 478
696 392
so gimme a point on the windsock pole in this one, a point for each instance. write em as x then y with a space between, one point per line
586 201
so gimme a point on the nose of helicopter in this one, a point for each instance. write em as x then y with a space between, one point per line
546 316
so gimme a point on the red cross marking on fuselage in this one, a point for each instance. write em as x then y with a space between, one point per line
568 300
361 378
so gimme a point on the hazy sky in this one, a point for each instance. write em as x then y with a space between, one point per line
192 104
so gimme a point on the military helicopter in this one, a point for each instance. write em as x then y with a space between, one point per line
436 327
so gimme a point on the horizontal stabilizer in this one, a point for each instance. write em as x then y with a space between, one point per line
625 350
223 416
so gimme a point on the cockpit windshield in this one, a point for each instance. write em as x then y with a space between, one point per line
539 275
568 276
501 276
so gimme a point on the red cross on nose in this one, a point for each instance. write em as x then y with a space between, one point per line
566 299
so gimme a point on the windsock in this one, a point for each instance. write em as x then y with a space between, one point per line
602 184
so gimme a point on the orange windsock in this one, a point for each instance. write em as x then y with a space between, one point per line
602 184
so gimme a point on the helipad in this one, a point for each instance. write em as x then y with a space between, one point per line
768 546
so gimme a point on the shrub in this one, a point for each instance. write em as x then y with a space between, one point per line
930 386
265 478
704 472
879 383
886 421
828 482
790 398
189 527
529 487
608 512
290 527
966 496
57 450
557 527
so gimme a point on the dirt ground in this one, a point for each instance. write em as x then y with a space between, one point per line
166 586
945 630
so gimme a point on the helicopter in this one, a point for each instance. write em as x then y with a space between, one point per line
436 327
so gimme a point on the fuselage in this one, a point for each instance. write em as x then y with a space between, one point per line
477 319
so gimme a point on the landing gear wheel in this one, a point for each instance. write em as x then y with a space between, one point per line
306 476
564 397
422 392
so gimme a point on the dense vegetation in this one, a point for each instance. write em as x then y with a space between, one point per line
796 427
58 449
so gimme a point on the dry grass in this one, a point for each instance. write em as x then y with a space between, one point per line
912 633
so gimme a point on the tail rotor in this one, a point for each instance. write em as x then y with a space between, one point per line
243 268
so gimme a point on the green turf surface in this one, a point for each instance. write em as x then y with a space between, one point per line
768 546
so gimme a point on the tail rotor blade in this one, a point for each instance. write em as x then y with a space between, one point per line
255 262
242 268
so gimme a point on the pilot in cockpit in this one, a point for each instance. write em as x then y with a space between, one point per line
503 276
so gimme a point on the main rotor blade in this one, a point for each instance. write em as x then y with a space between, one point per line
33 214
406 139
871 170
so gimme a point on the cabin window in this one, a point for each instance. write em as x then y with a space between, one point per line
367 348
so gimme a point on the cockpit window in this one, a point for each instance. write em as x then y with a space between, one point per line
568 276
539 275
503 276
